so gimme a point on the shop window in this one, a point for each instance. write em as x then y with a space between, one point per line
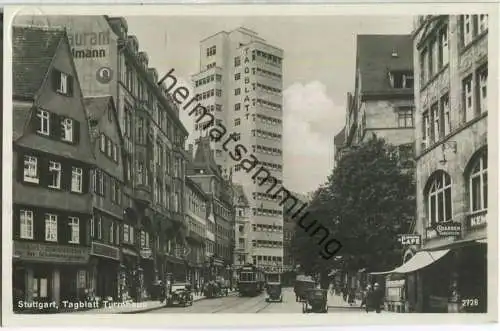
439 198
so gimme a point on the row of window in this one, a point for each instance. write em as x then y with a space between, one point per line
267 57
222 211
196 205
437 122
208 94
258 259
108 147
268 73
57 127
196 227
269 89
266 134
211 65
266 228
267 150
405 117
211 51
268 104
268 120
401 79
439 198
267 243
100 181
209 108
54 173
265 196
208 79
266 212
272 166
267 180
435 55
27 226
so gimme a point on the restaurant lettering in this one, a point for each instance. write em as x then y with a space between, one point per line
477 220
409 239
88 44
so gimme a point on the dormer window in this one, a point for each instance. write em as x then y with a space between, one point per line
62 83
401 79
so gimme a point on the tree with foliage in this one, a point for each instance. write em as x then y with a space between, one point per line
367 201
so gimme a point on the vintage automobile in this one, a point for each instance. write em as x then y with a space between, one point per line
316 301
302 284
273 287
180 294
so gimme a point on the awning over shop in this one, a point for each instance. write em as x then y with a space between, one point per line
420 260
459 244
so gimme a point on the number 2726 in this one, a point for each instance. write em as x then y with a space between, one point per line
470 302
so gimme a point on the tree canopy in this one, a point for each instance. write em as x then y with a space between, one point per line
366 202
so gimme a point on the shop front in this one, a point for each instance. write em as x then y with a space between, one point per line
131 276
48 273
105 270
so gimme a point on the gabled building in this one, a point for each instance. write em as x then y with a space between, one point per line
53 159
107 225
206 173
382 101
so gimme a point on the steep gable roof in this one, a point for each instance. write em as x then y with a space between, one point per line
240 198
33 49
374 59
204 158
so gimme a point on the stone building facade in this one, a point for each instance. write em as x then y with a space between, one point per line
451 83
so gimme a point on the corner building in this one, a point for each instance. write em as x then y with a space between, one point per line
451 86
52 161
240 83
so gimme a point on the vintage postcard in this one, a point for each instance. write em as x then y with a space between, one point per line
313 165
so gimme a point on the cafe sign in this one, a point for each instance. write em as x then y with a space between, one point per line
449 229
50 253
409 239
104 250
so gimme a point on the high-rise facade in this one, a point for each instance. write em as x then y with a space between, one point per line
240 83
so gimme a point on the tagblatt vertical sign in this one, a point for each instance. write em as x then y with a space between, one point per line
94 47
247 82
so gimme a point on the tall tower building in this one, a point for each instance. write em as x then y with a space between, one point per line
240 82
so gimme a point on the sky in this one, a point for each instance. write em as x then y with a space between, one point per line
318 72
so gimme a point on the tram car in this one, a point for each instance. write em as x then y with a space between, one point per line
251 280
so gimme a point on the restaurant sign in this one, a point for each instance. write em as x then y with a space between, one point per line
409 239
104 250
52 253
477 220
449 229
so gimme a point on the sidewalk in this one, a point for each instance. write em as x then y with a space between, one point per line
336 301
133 307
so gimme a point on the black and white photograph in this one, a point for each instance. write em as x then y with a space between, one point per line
311 165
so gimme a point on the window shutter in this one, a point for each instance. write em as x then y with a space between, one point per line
56 79
86 178
38 226
105 183
70 85
66 177
16 224
20 167
76 132
43 171
55 126
35 123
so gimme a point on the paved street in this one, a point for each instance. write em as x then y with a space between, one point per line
236 304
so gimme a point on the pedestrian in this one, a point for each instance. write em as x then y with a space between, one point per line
344 293
378 297
351 296
365 295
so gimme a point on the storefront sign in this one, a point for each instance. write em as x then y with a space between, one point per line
104 250
477 220
449 229
38 252
409 239
395 283
146 253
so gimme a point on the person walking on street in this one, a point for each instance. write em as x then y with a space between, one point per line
378 297
365 295
352 295
344 293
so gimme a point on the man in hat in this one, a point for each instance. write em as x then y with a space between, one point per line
377 297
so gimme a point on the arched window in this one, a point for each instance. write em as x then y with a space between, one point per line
439 198
478 183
